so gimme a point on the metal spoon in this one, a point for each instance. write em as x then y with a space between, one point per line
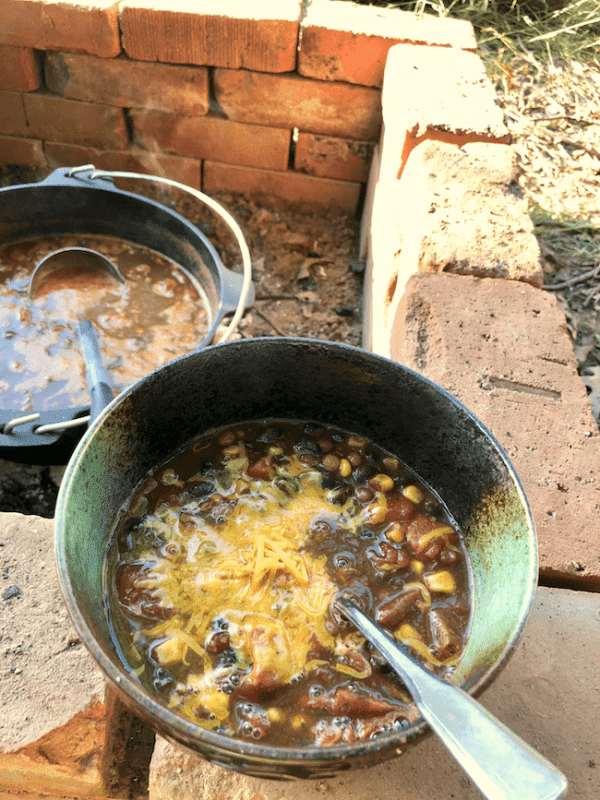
498 762
75 259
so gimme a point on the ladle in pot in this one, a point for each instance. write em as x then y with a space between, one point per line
498 762
77 260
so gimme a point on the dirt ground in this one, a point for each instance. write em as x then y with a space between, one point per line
307 280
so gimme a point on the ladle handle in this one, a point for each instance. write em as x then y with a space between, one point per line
499 763
96 374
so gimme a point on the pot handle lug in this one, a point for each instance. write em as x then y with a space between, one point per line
74 176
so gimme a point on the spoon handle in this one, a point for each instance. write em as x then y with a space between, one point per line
499 763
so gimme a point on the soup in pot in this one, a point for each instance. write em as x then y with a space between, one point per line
159 314
223 566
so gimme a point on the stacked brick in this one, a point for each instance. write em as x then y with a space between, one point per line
281 97
453 290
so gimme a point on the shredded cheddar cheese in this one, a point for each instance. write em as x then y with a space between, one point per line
241 571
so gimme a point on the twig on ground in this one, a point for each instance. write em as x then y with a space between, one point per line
577 279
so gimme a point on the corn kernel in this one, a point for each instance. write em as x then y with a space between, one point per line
381 483
440 582
417 567
345 468
413 493
376 513
274 714
395 533
169 652
407 631
297 721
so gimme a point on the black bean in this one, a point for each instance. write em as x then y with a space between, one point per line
308 446
162 679
344 561
201 488
320 526
329 481
363 473
270 436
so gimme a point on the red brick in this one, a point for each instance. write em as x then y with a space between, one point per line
291 101
16 150
129 84
261 36
329 157
214 139
293 187
19 69
503 349
182 170
79 27
55 119
12 114
344 41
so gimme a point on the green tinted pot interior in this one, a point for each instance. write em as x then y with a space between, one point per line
334 384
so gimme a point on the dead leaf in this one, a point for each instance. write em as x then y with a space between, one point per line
592 382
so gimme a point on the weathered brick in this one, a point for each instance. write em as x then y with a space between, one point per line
330 157
503 349
344 41
12 114
129 84
292 187
436 93
45 25
58 120
291 101
259 36
183 170
453 210
17 150
53 725
213 138
528 695
19 69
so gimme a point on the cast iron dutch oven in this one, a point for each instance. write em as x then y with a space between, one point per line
309 380
75 201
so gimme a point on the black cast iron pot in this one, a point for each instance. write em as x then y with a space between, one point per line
70 201
310 380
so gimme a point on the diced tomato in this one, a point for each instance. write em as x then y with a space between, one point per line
261 470
399 508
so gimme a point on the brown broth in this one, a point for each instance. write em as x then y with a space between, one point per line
157 316
223 565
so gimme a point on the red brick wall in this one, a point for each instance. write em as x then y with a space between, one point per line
292 88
